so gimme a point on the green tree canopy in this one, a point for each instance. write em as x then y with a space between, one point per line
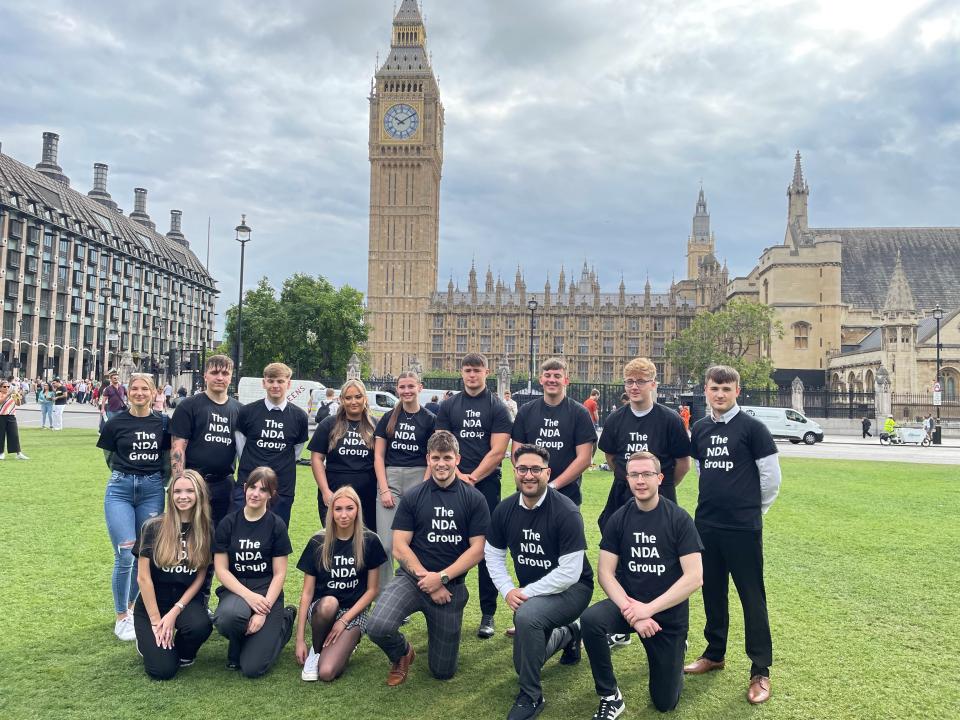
730 336
312 326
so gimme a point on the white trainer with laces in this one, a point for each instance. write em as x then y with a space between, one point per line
311 667
123 628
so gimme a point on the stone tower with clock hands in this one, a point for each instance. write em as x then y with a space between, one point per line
406 155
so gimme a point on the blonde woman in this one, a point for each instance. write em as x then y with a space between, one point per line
134 441
400 457
173 551
341 579
341 453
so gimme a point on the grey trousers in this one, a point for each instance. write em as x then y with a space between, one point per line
444 622
541 630
399 480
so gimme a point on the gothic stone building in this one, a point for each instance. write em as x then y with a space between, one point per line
851 299
412 323
84 285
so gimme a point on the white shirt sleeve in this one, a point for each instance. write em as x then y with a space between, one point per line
496 559
241 440
298 450
557 580
769 468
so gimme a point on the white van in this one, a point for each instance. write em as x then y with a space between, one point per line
787 423
305 394
380 402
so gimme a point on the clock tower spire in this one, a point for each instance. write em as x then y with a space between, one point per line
406 156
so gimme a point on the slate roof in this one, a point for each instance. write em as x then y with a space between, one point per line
409 12
930 257
30 185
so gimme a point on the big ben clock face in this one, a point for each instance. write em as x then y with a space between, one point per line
401 121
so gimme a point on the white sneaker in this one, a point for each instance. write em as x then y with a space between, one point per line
123 628
21 456
3 456
311 667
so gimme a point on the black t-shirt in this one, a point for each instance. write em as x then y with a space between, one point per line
271 438
660 432
559 429
649 546
178 576
208 428
442 521
136 442
729 495
538 538
472 419
408 446
350 456
251 547
344 580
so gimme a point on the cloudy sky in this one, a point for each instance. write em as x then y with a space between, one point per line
575 130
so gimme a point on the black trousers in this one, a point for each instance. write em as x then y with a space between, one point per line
489 487
9 434
255 653
664 650
366 486
737 554
220 490
192 629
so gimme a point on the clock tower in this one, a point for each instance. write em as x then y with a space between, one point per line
406 155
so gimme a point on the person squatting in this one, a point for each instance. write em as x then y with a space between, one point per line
424 488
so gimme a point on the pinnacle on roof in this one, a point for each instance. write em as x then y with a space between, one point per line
701 202
409 13
899 295
798 185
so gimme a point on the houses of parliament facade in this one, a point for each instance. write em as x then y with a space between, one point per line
413 323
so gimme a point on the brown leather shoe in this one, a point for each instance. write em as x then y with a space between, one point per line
400 669
703 665
510 631
759 690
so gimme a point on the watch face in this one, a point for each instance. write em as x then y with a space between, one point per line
401 121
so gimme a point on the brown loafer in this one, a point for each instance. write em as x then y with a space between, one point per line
703 665
759 690
510 631
401 668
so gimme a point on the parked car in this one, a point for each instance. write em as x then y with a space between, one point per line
787 423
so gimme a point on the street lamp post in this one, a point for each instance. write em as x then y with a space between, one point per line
105 294
532 305
938 316
243 237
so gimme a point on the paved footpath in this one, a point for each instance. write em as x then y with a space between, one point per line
853 447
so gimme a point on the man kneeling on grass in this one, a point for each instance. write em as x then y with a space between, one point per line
544 531
438 535
649 565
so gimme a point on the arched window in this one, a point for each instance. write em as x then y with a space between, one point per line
801 335
868 381
950 379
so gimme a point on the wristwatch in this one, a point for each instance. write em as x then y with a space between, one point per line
444 578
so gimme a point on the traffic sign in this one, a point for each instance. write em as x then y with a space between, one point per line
938 398
937 387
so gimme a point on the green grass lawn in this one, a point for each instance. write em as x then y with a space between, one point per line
862 578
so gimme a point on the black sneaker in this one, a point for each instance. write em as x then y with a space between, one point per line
571 651
611 707
618 640
233 664
486 629
187 662
524 709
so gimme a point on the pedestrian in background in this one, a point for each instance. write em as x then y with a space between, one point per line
46 406
865 425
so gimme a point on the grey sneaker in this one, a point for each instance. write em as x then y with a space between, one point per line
571 651
611 707
486 629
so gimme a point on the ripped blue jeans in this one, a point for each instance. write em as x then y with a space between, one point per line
129 502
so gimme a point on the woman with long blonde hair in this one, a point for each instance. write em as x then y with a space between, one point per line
400 457
341 578
174 550
134 441
341 452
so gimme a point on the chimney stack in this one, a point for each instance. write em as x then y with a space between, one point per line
99 192
175 234
48 164
140 208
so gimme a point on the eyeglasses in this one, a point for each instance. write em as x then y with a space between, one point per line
630 382
646 475
530 470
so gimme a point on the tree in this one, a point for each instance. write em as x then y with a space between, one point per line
312 327
732 337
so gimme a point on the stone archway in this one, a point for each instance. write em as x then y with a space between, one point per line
868 381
